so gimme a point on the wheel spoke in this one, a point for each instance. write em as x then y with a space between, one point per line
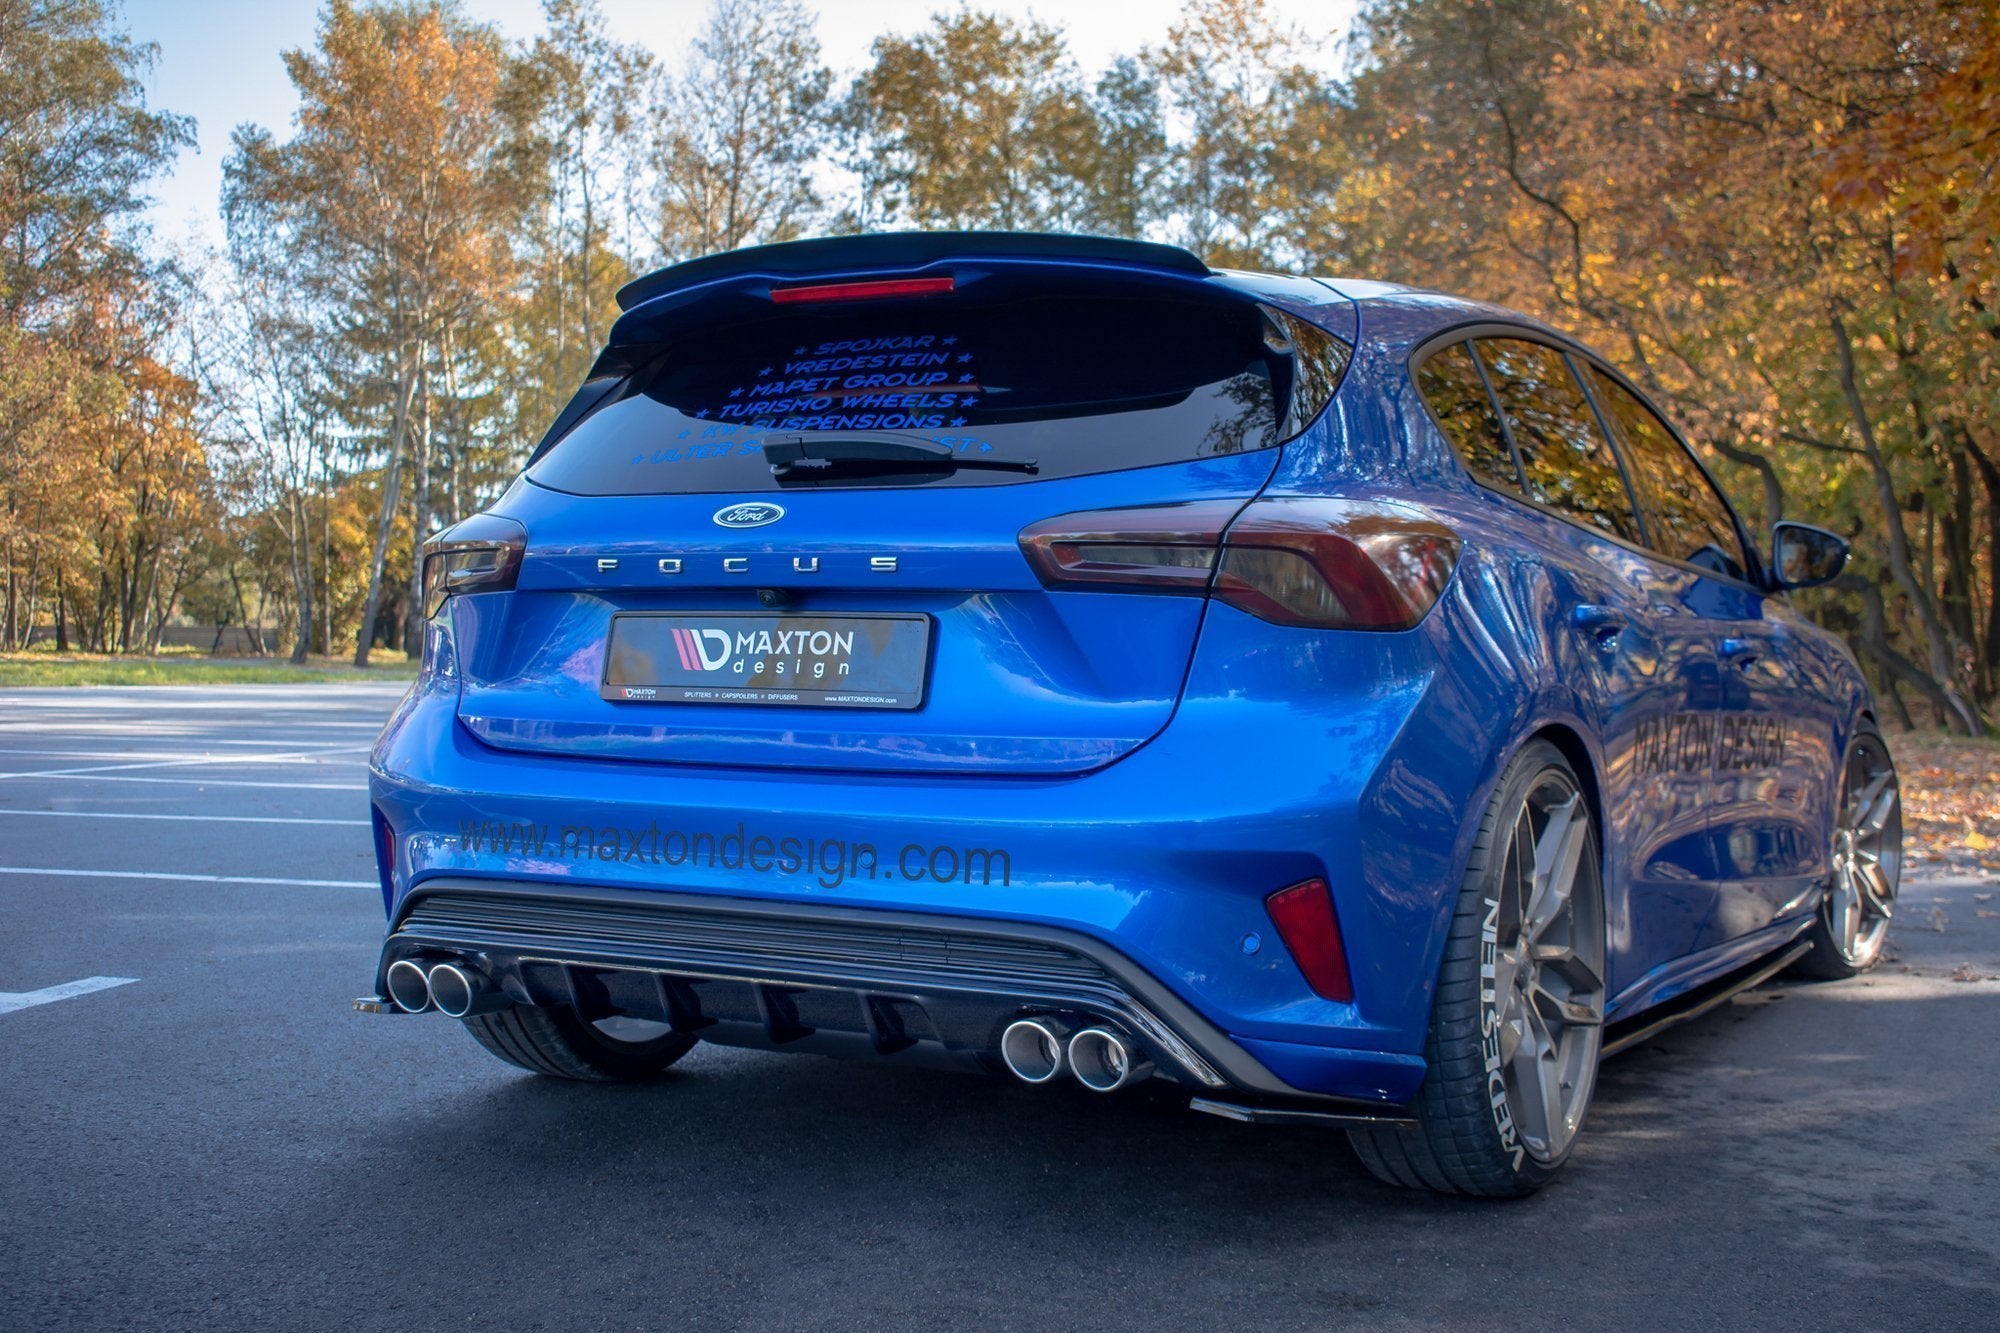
1531 1068
1844 910
1574 1012
1506 967
1552 1101
1558 852
1570 965
1873 804
1874 886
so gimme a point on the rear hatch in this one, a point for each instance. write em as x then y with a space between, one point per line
782 526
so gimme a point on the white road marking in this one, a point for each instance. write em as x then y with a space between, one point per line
156 734
192 879
280 758
200 782
206 819
187 756
10 1000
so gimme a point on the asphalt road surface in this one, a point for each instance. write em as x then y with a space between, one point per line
219 1141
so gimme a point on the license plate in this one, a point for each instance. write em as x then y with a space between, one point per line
744 657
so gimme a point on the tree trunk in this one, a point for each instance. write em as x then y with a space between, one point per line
1874 643
1938 645
1989 473
420 523
1955 536
326 551
1774 489
302 590
392 485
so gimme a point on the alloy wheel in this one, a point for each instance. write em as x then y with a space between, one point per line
1867 854
1545 984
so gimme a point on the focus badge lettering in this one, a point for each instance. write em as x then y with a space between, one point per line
754 514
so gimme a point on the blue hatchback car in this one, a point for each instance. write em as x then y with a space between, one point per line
1047 655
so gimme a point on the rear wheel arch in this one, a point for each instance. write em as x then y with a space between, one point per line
1577 752
1574 749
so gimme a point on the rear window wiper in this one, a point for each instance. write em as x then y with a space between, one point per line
824 454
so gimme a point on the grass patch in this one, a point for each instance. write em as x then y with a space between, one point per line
48 668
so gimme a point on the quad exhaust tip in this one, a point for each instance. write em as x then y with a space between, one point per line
1104 1061
409 987
1042 1049
460 992
1032 1049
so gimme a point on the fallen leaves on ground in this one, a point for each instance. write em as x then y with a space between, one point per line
1951 801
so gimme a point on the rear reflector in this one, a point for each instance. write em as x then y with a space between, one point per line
1323 563
1305 921
872 290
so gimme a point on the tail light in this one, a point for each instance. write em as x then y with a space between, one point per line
1323 563
872 289
481 554
1304 917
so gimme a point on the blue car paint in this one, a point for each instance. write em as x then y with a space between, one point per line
1159 823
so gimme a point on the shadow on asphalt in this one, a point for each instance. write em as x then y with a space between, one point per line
1734 1164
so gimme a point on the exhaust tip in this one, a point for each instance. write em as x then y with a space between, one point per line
409 987
1032 1049
1104 1061
453 989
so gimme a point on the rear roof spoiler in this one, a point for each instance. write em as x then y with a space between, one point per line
904 249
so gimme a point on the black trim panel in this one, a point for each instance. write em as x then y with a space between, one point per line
775 943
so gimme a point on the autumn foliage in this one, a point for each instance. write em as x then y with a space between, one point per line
1779 217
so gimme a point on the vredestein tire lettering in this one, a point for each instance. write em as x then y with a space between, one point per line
1489 1034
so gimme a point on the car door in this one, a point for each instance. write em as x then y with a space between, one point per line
1645 651
1771 751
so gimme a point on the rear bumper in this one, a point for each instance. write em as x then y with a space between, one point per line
914 988
1276 768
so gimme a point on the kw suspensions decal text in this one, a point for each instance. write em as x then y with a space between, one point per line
1697 742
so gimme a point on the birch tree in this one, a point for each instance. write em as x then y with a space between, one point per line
398 194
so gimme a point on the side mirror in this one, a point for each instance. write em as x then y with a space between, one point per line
1803 556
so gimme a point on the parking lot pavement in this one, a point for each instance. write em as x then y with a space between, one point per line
210 1137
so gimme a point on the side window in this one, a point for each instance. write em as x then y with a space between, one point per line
1687 519
1318 360
1457 397
1567 464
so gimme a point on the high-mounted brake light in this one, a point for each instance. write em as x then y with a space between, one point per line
873 289
1323 563
481 554
1304 917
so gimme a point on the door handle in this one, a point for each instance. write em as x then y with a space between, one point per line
1745 653
1602 623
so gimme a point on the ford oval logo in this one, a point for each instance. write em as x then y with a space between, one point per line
753 515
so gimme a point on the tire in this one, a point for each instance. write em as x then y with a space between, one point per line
1486 1124
1852 924
558 1043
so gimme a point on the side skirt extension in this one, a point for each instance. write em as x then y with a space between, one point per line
1700 1000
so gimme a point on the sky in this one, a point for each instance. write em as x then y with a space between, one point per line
219 60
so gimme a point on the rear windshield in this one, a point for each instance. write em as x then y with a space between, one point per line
1073 384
